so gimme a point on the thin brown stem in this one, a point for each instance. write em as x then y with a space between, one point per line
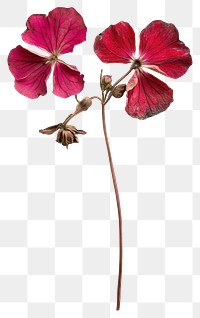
96 97
78 110
76 98
118 207
70 117
106 94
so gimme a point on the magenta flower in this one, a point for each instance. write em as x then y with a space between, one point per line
57 34
160 50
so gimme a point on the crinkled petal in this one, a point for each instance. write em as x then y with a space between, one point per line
58 32
116 44
147 95
160 47
34 85
67 80
21 62
30 70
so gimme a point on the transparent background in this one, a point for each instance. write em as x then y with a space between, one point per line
58 216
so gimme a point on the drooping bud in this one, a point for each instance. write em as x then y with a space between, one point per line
84 104
106 82
67 135
119 91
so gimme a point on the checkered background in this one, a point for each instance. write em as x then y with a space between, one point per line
58 215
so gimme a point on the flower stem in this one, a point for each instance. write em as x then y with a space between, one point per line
96 97
76 98
71 116
118 207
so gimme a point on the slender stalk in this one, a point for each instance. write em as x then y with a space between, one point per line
70 117
118 207
104 100
96 97
76 98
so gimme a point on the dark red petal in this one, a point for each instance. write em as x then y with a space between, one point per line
147 96
30 70
116 44
60 31
160 46
67 80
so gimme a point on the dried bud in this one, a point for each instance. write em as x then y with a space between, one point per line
68 135
119 90
106 82
84 104
50 130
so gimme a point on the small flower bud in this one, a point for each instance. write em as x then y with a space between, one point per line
84 104
106 81
119 91
67 135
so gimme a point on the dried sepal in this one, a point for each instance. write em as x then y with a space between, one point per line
67 135
119 91
51 129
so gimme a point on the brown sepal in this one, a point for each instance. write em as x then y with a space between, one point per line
50 130
68 136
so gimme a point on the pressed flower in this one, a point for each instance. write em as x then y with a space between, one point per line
160 50
66 133
57 33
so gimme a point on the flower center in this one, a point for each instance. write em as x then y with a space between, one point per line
136 64
53 58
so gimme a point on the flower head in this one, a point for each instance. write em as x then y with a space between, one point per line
57 34
160 50
67 135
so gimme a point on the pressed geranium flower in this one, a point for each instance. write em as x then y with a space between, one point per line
57 34
160 50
